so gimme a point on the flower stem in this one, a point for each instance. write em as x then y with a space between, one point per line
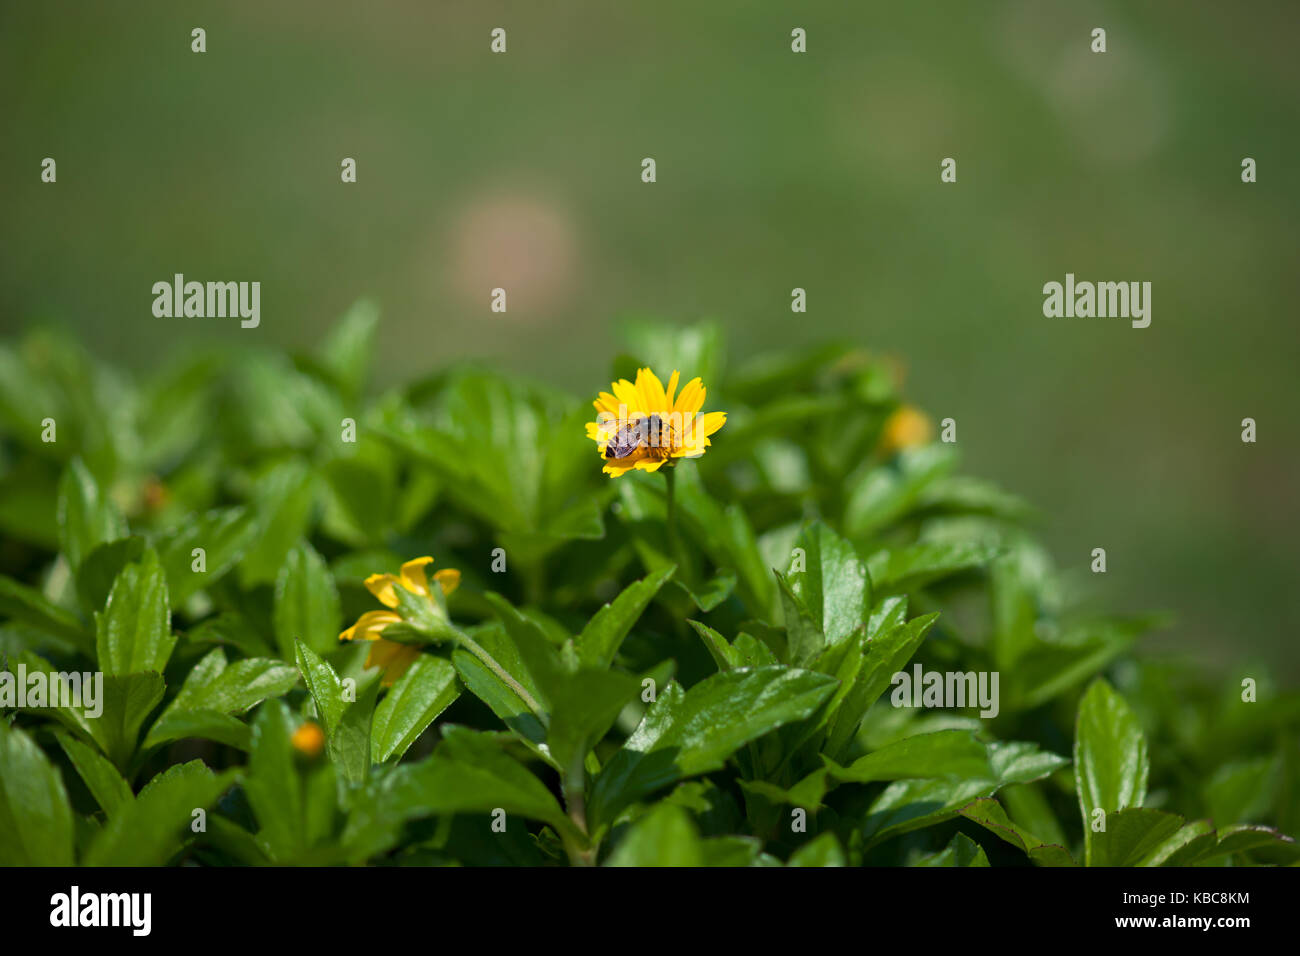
674 547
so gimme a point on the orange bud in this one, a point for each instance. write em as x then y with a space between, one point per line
308 739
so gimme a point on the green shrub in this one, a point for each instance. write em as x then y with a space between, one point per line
694 665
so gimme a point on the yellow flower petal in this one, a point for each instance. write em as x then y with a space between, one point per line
369 626
708 423
381 586
414 577
629 400
672 388
652 392
448 579
692 397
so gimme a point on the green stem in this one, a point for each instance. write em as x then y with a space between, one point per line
573 786
674 548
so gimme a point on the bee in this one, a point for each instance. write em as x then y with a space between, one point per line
632 436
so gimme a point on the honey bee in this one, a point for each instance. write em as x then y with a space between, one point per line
651 433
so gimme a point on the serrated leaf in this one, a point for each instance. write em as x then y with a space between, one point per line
87 516
1110 758
417 698
223 535
133 633
21 603
150 830
960 851
912 568
601 638
886 655
35 819
306 603
832 583
106 785
294 805
989 814
469 772
347 721
128 700
685 733
282 504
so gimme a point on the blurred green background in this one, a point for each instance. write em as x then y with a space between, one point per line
775 170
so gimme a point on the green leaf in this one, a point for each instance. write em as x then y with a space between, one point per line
106 785
883 494
100 568
960 851
582 702
1131 836
601 638
128 700
1239 791
666 836
426 689
223 535
469 772
832 583
35 819
347 349
150 830
306 603
234 688
584 705
87 517
911 804
282 503
912 568
133 633
989 814
686 733
946 753
822 850
719 648
347 715
294 804
21 603
488 687
804 633
1110 758
886 655
200 725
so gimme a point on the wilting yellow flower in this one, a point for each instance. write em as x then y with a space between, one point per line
905 428
308 739
393 656
642 425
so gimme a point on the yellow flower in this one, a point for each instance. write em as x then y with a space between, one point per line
393 656
642 425
308 739
905 428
